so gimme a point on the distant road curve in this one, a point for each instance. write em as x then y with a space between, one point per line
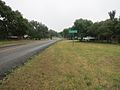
11 57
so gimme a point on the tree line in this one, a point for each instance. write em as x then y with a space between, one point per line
12 23
107 31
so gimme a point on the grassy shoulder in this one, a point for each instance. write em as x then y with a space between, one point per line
12 42
86 66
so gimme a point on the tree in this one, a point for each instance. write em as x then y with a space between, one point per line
112 14
19 25
93 30
53 33
104 31
66 33
5 13
117 31
12 22
38 30
108 30
82 25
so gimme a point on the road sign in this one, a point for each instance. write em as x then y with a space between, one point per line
72 31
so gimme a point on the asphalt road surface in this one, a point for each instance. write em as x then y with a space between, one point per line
11 57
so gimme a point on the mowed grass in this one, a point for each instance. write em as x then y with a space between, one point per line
13 42
84 66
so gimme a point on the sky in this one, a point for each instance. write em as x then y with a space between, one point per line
60 14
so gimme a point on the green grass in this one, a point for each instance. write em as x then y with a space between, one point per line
11 42
84 66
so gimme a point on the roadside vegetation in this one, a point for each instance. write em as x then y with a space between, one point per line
13 42
14 26
84 66
103 31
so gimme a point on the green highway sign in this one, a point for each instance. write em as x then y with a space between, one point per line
72 31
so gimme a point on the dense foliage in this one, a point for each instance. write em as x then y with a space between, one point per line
53 33
108 30
38 30
13 24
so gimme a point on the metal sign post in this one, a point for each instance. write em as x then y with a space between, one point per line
73 32
73 39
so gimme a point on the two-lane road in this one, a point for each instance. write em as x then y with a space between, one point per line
11 57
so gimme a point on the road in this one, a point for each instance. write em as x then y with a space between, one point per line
11 57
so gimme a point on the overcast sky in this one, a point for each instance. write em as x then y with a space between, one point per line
60 14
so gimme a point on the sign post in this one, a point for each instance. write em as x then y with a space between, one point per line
73 32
